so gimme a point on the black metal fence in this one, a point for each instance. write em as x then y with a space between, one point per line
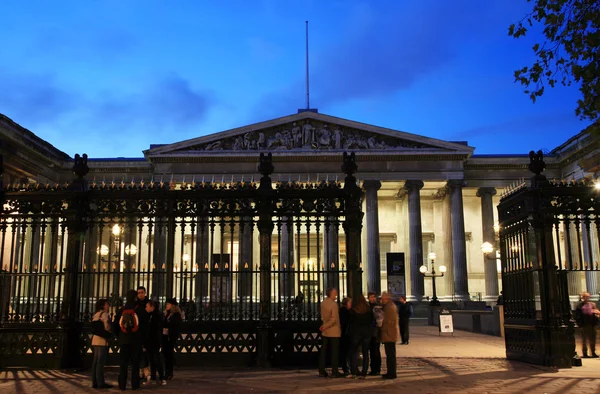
548 230
249 262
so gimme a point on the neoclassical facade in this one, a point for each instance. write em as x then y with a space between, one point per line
421 195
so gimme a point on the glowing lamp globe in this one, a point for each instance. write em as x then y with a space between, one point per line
487 248
442 269
432 256
423 269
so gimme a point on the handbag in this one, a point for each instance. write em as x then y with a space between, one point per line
98 329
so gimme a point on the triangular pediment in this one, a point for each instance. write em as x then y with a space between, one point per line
309 132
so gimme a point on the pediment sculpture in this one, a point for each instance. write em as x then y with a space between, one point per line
308 135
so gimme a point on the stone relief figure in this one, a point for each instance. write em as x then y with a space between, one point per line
261 141
324 138
296 136
308 136
238 143
373 144
307 132
217 145
337 138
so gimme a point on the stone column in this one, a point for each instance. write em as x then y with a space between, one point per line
245 261
447 243
415 238
459 244
373 256
489 262
286 282
591 277
572 259
332 255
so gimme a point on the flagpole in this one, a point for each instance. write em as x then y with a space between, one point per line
307 80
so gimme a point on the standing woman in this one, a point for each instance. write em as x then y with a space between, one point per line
345 340
171 326
101 328
361 332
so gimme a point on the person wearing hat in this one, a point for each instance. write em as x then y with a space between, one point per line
170 334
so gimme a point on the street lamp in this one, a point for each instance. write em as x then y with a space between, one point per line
423 269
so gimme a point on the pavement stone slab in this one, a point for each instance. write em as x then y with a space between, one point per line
463 363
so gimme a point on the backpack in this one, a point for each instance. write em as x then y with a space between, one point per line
129 321
410 310
378 313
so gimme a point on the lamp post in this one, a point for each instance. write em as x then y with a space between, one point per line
423 269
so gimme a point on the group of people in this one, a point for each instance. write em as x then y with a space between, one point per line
145 336
361 325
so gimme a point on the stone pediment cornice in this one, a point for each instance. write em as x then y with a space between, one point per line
309 133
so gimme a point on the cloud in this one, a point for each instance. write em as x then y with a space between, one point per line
525 125
384 49
36 97
172 101
37 102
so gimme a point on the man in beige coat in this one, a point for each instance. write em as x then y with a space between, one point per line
390 334
331 331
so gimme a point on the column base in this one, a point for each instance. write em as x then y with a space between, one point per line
412 298
491 299
463 297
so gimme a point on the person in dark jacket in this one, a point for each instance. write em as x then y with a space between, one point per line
404 315
153 341
361 332
142 297
130 341
345 340
375 348
170 334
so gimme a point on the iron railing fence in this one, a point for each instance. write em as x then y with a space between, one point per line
549 230
230 252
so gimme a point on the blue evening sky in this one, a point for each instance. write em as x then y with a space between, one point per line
111 77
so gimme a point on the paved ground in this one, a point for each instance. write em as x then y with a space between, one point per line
464 363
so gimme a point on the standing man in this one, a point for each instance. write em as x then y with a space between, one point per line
587 317
389 334
375 348
404 313
141 297
331 332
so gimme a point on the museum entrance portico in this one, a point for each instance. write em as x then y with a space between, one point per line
416 195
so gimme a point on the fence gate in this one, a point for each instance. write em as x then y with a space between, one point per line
549 233
249 263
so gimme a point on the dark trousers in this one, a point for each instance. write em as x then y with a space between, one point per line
100 354
345 353
360 343
404 329
375 353
168 348
390 358
332 345
156 364
130 353
588 333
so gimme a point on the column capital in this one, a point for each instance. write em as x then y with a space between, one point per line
454 183
440 194
371 184
413 185
486 191
401 194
